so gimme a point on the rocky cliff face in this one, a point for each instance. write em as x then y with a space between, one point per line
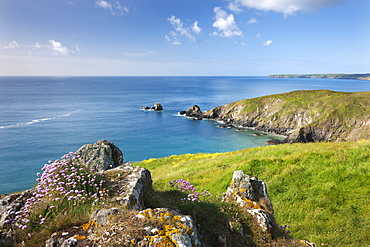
318 115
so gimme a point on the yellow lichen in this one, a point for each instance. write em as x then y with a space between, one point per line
88 225
251 203
177 217
79 237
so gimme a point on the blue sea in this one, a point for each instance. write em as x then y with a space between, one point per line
42 118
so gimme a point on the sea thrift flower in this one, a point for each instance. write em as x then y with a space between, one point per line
189 188
61 185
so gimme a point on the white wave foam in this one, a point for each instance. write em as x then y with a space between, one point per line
38 120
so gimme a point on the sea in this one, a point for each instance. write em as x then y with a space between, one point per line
43 118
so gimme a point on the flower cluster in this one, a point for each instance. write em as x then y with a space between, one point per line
189 188
63 185
284 227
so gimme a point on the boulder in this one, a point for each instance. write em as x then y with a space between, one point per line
101 156
194 112
157 107
101 216
182 232
8 206
129 191
250 194
274 141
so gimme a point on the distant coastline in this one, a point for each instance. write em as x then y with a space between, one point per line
325 76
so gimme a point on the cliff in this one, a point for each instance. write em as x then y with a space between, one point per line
325 76
302 116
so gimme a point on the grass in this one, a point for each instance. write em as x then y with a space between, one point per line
321 190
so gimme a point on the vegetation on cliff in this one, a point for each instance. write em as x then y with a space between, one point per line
324 76
307 115
321 190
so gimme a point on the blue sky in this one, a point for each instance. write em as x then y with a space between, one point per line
184 37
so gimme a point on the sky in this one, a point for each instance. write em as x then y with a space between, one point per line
183 37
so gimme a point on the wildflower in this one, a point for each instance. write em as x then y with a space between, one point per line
65 179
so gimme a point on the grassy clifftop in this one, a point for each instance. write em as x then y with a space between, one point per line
305 115
321 190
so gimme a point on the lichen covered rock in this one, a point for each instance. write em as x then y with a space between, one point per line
101 216
181 231
101 156
250 194
9 205
129 189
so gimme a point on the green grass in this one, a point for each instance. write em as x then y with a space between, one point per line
321 190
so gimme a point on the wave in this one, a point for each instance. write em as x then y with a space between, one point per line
38 120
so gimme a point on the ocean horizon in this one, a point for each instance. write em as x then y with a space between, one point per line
43 118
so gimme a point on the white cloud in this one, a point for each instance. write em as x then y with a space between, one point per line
234 7
267 42
172 38
258 35
243 44
181 30
12 45
114 7
288 7
225 24
252 21
196 29
103 4
58 48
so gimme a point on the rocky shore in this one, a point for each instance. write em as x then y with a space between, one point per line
300 116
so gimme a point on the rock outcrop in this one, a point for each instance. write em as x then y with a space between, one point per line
250 194
155 107
101 156
302 116
8 206
193 112
129 189
182 232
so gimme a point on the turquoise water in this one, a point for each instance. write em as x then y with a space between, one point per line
42 118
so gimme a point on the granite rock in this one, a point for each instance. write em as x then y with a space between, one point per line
102 155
